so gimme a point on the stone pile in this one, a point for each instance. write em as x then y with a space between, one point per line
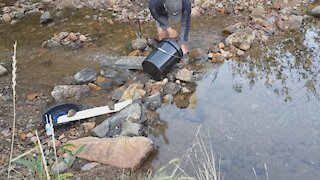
68 40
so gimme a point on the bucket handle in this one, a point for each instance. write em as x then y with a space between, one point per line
165 52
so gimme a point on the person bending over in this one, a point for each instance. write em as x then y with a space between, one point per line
175 11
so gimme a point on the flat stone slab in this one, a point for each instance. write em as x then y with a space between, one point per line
131 63
122 152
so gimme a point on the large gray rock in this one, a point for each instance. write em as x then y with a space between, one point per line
122 152
131 129
130 63
108 72
171 88
52 43
315 11
139 44
133 111
63 92
86 75
153 102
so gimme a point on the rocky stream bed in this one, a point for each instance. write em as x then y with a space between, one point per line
105 79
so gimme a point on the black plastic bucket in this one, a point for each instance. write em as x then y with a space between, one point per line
162 58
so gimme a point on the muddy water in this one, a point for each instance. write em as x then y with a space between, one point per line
261 112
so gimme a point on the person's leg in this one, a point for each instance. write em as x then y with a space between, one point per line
162 33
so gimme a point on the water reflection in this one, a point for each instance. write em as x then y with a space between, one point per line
250 126
292 60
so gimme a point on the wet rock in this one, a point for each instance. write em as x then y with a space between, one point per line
122 152
72 45
117 94
3 71
131 129
107 85
171 88
51 44
86 75
241 39
129 62
139 44
193 100
63 166
197 54
89 166
153 102
181 101
120 79
63 92
185 75
185 90
46 18
132 111
108 72
315 11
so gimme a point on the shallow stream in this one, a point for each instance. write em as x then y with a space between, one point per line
262 111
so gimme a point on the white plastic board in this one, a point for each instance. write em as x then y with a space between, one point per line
88 113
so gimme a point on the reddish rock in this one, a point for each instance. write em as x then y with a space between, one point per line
94 87
135 53
100 79
122 152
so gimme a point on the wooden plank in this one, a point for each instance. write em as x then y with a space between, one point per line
88 113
